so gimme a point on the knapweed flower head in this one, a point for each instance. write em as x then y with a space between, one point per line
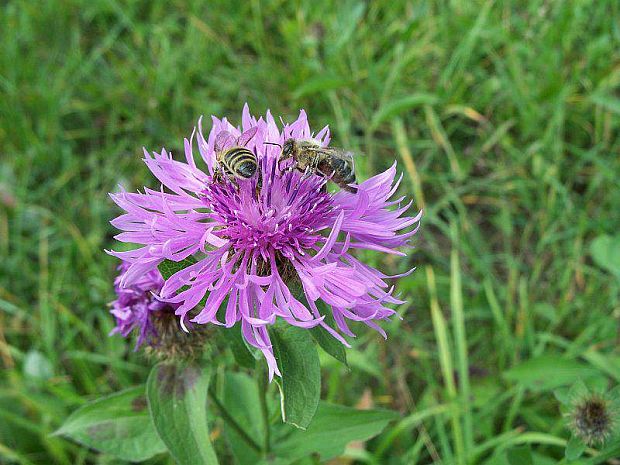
269 247
593 416
136 304
137 309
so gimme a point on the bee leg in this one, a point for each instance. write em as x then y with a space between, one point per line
220 175
286 169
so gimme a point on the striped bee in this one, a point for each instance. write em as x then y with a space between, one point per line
333 163
233 158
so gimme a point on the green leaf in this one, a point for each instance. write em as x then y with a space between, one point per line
607 101
548 372
578 391
614 394
300 385
562 395
400 105
169 267
501 457
244 355
333 427
320 84
118 424
328 342
605 252
366 361
521 455
574 448
241 399
177 399
612 451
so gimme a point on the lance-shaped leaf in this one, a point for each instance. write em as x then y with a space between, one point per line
300 385
118 424
333 427
574 448
245 355
242 401
169 267
177 399
521 455
328 343
323 338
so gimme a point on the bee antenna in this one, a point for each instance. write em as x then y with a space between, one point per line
272 143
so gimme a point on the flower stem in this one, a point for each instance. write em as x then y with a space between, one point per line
603 456
231 421
262 388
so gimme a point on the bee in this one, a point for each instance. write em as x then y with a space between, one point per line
333 163
232 157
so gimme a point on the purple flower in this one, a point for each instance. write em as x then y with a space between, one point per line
254 239
135 304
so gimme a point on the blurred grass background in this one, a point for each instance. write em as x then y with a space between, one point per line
503 115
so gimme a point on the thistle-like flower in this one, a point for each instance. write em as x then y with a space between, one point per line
593 417
256 239
135 305
137 309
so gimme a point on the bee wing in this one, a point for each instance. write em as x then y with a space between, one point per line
313 146
223 140
341 154
247 136
345 155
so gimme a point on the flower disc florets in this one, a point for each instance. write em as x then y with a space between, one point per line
284 216
254 239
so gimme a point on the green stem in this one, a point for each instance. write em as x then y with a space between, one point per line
262 387
231 421
603 456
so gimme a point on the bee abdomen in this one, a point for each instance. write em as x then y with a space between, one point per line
338 164
240 162
343 171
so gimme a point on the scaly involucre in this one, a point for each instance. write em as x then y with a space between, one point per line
257 239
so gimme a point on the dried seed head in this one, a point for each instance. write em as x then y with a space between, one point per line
593 418
171 343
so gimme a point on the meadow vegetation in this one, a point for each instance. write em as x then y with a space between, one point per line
504 117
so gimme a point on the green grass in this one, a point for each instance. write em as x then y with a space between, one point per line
504 117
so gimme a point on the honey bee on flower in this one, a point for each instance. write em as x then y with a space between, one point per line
232 156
